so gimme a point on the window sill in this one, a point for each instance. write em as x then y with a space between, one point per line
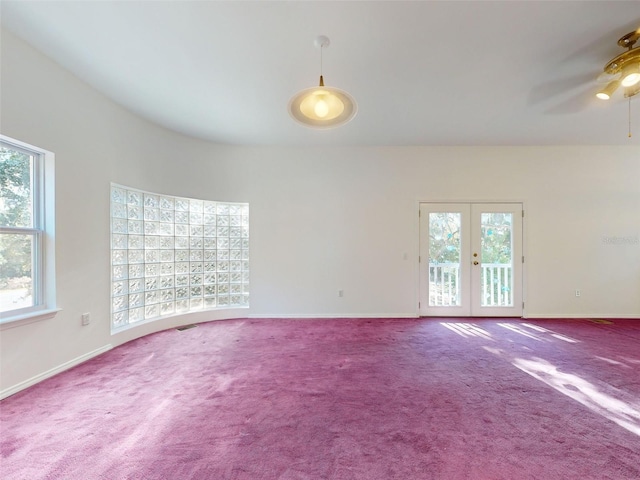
27 318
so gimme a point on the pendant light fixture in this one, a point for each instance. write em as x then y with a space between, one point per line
322 107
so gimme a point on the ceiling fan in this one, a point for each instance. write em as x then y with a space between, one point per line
623 70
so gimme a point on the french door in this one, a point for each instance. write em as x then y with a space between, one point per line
471 259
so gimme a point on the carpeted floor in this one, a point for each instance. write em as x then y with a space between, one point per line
472 399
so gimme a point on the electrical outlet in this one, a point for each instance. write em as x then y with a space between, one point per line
577 293
86 319
341 293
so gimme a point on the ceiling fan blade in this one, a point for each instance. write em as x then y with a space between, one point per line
553 88
605 78
604 47
575 103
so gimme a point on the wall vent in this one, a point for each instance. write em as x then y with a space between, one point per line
601 321
185 327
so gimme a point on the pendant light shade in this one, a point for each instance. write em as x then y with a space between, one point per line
322 107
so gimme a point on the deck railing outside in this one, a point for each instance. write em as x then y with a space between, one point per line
495 284
444 285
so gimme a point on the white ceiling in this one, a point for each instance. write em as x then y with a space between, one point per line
422 72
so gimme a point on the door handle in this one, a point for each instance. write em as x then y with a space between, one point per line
475 262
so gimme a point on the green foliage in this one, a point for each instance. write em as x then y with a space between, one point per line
496 238
444 233
15 188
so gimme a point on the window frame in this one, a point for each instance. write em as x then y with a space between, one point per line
42 233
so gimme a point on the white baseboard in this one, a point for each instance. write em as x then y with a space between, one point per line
582 315
529 316
54 371
334 315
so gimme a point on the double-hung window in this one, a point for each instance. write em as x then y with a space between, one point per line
26 229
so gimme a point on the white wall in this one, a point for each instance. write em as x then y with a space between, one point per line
329 219
322 219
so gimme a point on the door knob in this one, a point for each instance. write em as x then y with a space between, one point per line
475 254
475 263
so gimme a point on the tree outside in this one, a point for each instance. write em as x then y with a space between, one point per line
444 237
496 238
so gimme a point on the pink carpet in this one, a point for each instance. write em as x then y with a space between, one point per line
340 399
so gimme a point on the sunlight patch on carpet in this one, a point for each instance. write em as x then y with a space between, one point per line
612 362
521 331
559 336
625 414
467 330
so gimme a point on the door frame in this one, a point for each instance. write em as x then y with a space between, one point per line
524 272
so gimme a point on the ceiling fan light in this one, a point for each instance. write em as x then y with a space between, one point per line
630 74
606 92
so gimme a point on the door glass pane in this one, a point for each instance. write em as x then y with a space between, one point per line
16 271
444 258
496 277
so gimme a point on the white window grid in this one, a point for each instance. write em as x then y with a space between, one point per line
173 255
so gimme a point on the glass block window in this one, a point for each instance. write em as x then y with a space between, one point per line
172 255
